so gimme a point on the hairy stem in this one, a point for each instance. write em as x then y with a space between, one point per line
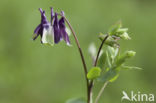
101 91
95 63
81 54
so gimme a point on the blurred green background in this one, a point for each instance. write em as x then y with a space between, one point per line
33 73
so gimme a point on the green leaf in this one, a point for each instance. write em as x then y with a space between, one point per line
108 57
118 31
130 67
114 78
94 73
123 57
113 52
113 29
76 100
108 60
102 60
122 30
111 75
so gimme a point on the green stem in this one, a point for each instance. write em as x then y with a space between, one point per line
81 54
101 91
95 63
100 48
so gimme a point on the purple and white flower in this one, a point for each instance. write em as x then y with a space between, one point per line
51 32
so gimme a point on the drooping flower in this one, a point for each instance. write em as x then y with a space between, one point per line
45 30
63 31
51 32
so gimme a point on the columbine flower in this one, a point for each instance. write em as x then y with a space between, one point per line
44 30
53 31
63 31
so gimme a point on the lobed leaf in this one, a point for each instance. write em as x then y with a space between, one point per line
94 73
102 60
113 29
113 52
111 75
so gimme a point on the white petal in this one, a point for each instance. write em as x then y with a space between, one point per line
48 35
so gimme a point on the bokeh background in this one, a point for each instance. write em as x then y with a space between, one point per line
33 73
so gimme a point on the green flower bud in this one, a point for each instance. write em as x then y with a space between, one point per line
110 40
113 29
125 36
122 30
126 55
130 54
118 31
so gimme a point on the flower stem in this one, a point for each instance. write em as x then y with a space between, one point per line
100 48
95 63
81 54
101 91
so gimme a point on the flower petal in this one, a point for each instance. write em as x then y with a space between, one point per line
37 31
57 36
43 17
63 31
48 35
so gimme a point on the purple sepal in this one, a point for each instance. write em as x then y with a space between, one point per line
37 31
44 24
57 36
63 32
43 17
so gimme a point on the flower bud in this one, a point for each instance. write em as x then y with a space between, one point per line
110 40
126 55
125 36
122 30
130 54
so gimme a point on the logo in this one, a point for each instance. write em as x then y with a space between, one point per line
140 97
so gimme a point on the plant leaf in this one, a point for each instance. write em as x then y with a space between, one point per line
113 52
113 29
130 67
122 30
111 75
94 73
114 78
123 57
108 60
102 60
